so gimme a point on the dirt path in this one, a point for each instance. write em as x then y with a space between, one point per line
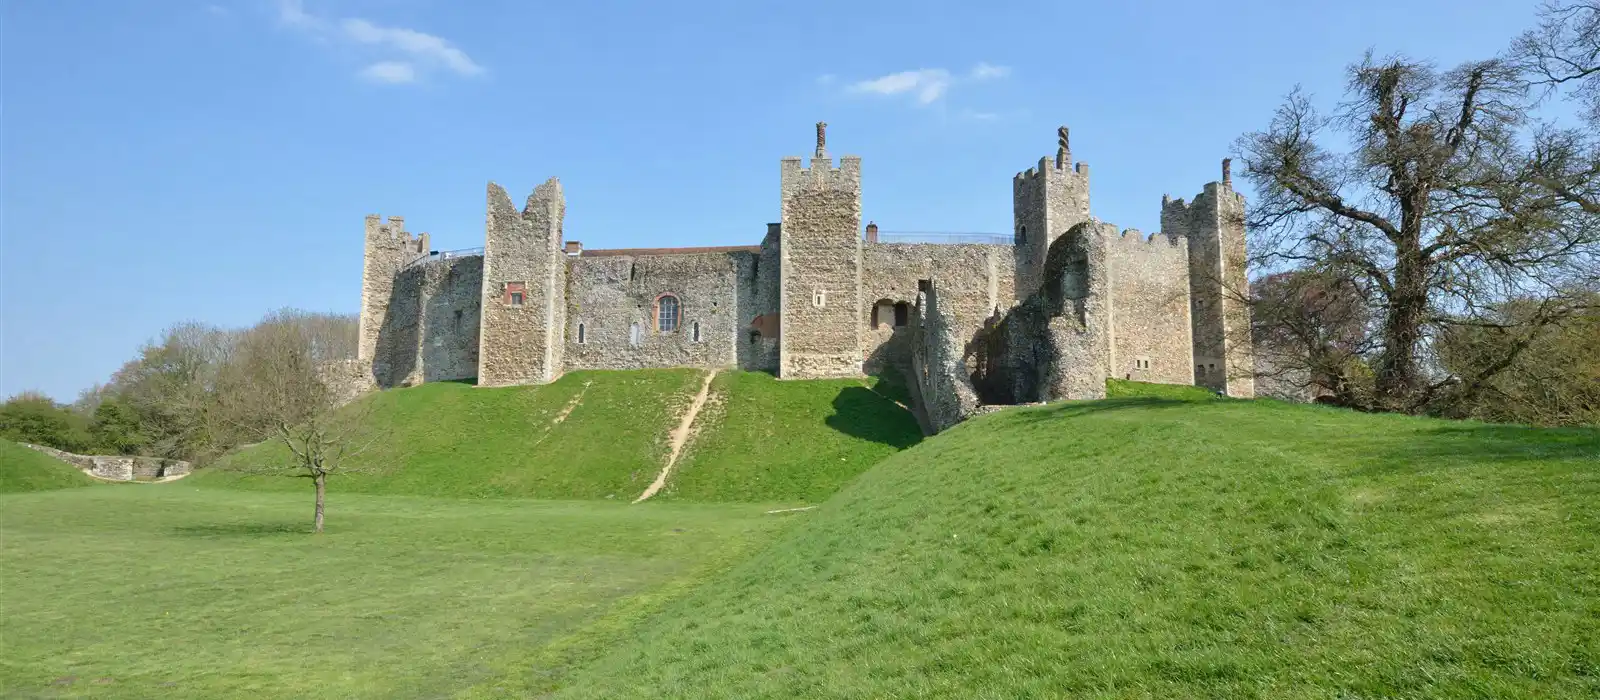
680 435
562 416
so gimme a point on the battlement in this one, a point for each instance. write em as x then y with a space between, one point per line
1132 237
393 234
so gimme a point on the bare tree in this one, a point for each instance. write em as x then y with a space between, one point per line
1310 334
274 389
1438 211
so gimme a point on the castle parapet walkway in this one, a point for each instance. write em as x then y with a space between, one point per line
443 255
941 237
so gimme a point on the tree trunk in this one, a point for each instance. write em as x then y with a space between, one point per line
1396 381
322 491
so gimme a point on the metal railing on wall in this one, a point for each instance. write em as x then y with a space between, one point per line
945 237
443 255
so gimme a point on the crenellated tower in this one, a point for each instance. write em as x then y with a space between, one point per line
819 288
388 248
1219 289
1047 201
523 317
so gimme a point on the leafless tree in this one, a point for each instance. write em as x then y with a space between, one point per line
1309 335
1445 203
273 389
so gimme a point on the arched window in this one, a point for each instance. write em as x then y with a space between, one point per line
666 313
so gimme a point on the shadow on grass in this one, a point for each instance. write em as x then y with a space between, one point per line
861 412
243 529
1468 443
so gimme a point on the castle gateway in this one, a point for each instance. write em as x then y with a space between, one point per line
1047 312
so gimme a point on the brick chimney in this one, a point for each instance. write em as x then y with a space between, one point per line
872 232
574 247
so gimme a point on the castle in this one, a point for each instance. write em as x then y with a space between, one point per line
1048 312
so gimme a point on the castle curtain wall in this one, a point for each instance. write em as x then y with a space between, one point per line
974 281
1149 281
611 294
430 329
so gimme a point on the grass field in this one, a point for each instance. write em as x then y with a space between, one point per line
1160 543
173 591
1163 545
23 469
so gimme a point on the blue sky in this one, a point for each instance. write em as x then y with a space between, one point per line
193 160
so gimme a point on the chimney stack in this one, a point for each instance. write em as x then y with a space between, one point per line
822 139
574 247
872 232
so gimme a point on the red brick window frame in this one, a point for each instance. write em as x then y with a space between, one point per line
516 294
667 313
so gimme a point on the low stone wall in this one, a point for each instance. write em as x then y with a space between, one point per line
120 468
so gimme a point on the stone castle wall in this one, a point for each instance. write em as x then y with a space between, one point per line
430 331
120 467
975 281
938 367
1047 201
388 247
1149 280
614 298
520 343
820 269
1213 224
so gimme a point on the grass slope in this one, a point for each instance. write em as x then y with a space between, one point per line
23 469
454 439
764 440
1163 546
171 591
758 440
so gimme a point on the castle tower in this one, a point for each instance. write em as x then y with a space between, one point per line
520 335
1046 202
819 287
1218 286
388 248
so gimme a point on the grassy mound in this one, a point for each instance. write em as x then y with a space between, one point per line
1163 545
605 435
763 440
454 439
23 469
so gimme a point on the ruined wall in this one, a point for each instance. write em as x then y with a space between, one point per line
1047 201
610 295
388 247
820 269
975 282
522 343
943 387
1056 343
430 333
120 467
1213 224
1149 280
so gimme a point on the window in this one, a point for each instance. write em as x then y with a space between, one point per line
666 313
515 293
696 331
819 298
902 314
581 337
1141 363
1022 234
1199 370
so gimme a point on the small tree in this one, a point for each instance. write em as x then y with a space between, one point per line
273 389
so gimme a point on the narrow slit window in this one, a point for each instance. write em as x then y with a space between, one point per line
819 298
581 337
696 331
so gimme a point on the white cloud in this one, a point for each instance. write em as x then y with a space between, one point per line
393 72
985 71
406 49
928 84
419 45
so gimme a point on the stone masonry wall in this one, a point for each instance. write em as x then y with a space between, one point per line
610 295
758 351
430 333
937 364
820 287
120 467
1149 279
1047 201
975 282
1214 227
521 344
388 247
